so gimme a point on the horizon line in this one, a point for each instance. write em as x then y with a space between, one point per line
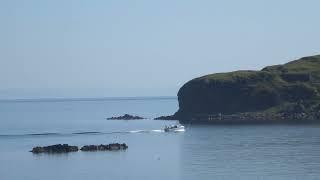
61 99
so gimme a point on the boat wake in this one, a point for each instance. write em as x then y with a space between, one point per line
147 131
80 133
158 130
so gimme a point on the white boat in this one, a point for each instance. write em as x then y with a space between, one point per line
174 128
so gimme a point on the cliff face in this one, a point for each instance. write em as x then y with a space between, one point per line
292 87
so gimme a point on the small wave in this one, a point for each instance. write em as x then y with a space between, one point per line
41 134
89 132
79 133
137 131
32 134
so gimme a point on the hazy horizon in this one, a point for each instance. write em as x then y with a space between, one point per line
75 49
58 99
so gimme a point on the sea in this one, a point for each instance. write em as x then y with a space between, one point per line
204 152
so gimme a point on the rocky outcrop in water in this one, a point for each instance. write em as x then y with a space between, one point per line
108 147
58 148
65 148
165 118
126 117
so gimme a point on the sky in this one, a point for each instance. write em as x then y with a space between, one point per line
124 48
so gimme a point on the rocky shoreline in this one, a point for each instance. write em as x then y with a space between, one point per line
247 118
65 148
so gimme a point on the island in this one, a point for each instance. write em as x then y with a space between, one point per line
126 117
275 94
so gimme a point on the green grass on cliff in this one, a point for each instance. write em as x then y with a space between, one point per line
229 76
244 77
309 65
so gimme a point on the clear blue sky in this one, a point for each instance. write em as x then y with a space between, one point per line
93 48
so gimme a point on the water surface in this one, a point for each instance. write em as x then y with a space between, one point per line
283 152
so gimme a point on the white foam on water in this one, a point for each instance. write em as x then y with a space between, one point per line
157 130
137 131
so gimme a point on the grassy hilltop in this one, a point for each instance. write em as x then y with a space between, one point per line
289 88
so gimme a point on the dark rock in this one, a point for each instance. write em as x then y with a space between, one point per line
58 148
89 148
126 117
165 118
65 148
108 147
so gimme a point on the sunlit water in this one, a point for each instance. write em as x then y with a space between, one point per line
247 152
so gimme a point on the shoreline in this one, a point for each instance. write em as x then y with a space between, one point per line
246 118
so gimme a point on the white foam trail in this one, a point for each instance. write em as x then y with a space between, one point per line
137 131
142 131
157 130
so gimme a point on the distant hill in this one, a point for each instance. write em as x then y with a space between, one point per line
275 92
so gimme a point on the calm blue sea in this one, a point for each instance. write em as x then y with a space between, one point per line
245 152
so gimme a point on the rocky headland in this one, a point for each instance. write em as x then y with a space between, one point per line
275 94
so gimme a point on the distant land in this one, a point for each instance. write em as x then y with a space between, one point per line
279 93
